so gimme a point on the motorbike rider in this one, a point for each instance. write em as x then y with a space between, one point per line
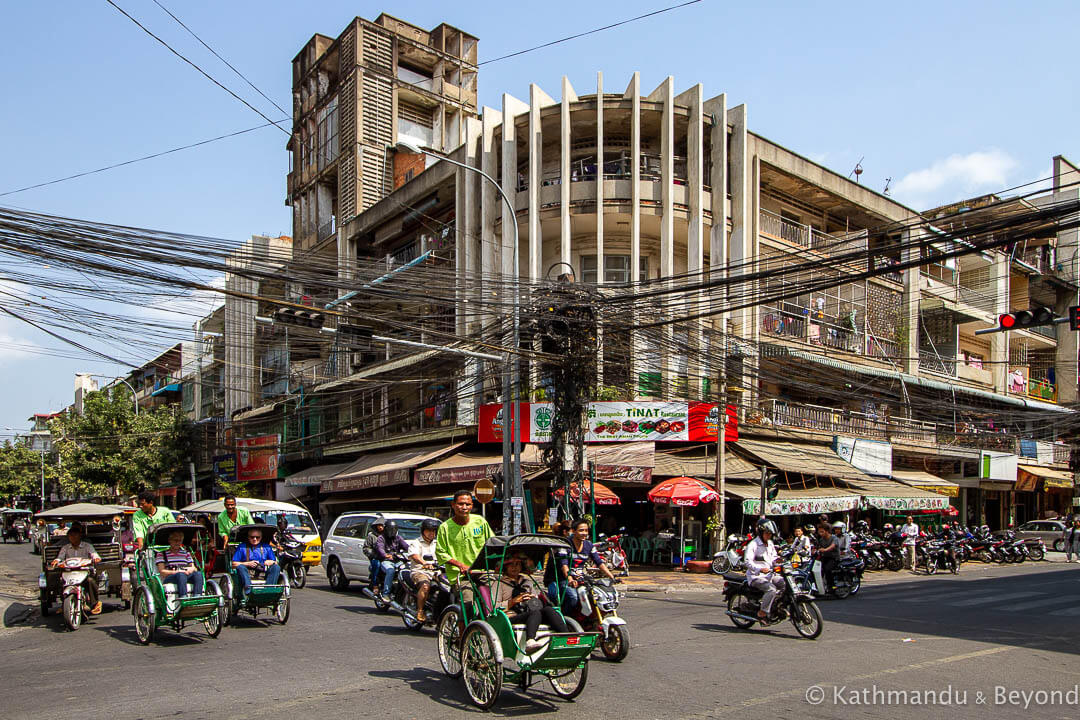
760 557
460 540
422 557
842 537
577 559
385 546
376 531
76 548
800 543
828 554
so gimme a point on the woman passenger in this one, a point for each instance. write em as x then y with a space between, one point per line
523 603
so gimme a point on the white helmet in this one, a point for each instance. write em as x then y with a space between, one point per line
838 525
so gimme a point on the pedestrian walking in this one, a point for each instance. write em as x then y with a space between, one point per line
1071 538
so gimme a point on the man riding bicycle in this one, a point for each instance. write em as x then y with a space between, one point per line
459 540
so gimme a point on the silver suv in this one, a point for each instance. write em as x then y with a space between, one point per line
1049 531
343 549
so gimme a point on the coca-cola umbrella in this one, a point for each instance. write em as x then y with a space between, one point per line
604 495
682 492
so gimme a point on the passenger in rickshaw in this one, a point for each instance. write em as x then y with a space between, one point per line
566 562
176 565
76 548
255 556
518 596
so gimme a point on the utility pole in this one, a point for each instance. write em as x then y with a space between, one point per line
43 480
764 473
721 452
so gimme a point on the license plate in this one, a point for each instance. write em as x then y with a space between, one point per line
573 640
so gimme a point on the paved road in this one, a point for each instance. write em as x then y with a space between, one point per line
1015 627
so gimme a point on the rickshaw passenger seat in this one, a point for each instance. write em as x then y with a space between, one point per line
484 590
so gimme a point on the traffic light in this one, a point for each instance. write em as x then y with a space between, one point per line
1074 317
301 318
772 486
1021 319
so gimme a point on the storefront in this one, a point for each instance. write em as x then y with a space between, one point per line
1053 489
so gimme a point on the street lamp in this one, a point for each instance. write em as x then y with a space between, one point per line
511 475
134 395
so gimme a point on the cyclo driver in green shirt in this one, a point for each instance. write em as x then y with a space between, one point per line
230 517
147 515
459 541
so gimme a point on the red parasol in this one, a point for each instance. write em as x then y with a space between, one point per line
604 495
682 492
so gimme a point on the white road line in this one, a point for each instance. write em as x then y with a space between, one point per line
992 599
1037 603
1068 612
927 597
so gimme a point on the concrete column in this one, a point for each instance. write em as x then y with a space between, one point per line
468 234
716 109
665 93
537 100
511 108
490 202
633 92
692 99
568 96
910 305
600 178
740 243
1068 241
999 342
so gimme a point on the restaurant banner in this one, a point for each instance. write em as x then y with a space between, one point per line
905 504
802 506
366 481
618 422
460 475
257 458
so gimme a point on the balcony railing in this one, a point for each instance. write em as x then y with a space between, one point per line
932 362
833 336
1042 390
840 421
783 323
807 237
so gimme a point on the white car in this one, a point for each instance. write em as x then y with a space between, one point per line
343 549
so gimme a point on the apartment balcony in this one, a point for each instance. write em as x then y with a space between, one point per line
792 321
1062 453
808 238
930 361
1020 382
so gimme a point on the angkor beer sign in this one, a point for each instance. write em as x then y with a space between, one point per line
257 458
366 481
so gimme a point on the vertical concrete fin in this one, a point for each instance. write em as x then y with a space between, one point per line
536 161
599 177
511 109
634 88
634 92
568 96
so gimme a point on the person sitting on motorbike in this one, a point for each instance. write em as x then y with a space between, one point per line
254 555
278 542
842 537
760 557
385 546
422 557
176 565
800 544
518 596
374 566
76 548
576 560
828 554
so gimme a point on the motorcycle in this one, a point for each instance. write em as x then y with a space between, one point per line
730 558
846 577
401 565
403 598
744 602
598 611
290 560
74 574
612 553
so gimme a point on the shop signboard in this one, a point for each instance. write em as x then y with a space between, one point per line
257 458
802 506
906 504
997 466
458 475
490 424
225 468
870 456
366 481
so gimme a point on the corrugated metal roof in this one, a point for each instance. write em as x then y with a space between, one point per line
694 463
805 459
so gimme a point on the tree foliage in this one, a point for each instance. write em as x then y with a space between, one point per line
108 450
20 469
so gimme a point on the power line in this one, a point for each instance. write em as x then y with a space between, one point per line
588 32
138 159
201 71
215 53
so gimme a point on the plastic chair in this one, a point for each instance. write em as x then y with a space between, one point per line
660 549
632 548
646 550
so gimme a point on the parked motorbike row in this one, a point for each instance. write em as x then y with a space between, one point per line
597 609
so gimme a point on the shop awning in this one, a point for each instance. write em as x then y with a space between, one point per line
895 496
346 501
378 369
314 475
629 463
171 387
257 412
794 501
385 468
696 463
925 481
804 459
470 466
1051 478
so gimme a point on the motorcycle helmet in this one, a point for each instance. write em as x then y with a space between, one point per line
862 526
390 530
429 524
839 525
888 527
764 525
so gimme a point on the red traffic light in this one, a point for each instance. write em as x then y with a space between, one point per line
1006 321
1021 319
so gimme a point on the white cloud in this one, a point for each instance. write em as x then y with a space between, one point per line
955 177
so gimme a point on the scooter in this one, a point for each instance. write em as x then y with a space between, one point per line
598 611
75 573
744 601
291 562
611 551
846 579
730 558
403 594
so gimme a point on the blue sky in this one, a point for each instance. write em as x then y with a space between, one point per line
948 99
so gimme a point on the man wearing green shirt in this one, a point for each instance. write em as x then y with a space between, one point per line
460 540
230 517
147 515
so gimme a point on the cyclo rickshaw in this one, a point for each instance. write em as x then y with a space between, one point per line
155 603
272 599
98 532
15 524
490 649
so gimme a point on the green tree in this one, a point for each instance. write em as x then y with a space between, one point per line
20 469
108 450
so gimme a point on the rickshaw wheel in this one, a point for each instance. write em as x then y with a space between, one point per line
281 610
448 634
569 684
213 624
144 619
480 665
72 612
227 590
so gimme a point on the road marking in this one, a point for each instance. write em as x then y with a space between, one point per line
928 597
1068 612
992 599
1035 603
